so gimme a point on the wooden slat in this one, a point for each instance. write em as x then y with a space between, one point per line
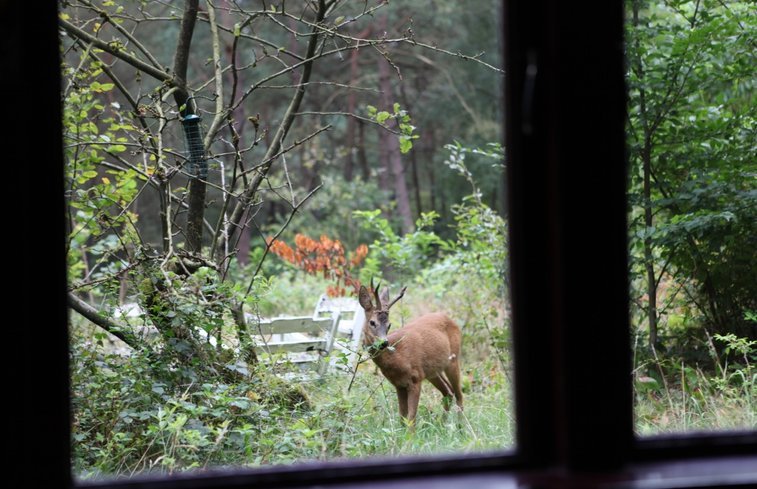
292 346
303 339
292 325
300 359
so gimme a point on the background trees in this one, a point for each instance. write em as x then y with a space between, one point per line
196 131
692 153
691 140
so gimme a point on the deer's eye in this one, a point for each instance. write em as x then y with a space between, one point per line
373 323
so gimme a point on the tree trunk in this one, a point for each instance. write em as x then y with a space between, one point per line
413 162
197 188
648 251
195 214
416 183
362 158
390 150
354 140
349 162
243 244
646 161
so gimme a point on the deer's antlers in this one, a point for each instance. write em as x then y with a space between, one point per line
376 295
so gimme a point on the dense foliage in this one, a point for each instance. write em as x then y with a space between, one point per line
692 147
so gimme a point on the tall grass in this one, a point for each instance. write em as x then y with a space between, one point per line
690 399
368 422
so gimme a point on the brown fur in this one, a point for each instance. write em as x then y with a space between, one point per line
426 348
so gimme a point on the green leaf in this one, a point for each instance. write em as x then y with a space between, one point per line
405 144
101 87
382 116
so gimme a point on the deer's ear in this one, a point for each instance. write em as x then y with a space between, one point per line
364 297
384 295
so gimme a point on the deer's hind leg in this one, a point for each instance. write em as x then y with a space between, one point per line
443 385
453 376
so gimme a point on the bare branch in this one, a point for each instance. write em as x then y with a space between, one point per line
218 77
476 58
270 242
267 162
181 56
93 315
354 116
117 51
133 40
222 226
409 39
283 129
328 83
259 40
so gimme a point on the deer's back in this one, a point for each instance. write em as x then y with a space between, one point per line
423 348
434 328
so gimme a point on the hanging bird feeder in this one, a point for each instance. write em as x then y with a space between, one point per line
197 164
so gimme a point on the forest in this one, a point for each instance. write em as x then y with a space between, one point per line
229 162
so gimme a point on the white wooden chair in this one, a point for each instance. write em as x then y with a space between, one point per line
330 338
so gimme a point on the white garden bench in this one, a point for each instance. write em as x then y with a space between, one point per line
329 339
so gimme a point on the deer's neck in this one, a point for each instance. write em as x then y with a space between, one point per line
380 356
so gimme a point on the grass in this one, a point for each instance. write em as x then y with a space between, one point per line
371 424
126 424
698 402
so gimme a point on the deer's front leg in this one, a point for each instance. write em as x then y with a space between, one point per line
402 398
413 395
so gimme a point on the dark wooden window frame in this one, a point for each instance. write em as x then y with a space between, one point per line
565 111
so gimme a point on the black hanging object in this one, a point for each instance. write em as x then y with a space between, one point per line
197 164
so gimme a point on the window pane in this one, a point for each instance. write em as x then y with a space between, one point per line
234 175
693 223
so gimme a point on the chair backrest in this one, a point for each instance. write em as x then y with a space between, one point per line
348 319
308 341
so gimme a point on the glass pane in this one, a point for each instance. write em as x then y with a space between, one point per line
231 201
693 221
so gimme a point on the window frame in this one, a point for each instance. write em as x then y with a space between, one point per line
565 120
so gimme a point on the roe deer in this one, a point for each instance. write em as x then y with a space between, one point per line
426 348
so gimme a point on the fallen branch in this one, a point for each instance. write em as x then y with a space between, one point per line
93 315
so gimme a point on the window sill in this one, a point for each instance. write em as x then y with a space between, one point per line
710 472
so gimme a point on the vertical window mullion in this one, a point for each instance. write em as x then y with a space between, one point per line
587 130
531 236
565 109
